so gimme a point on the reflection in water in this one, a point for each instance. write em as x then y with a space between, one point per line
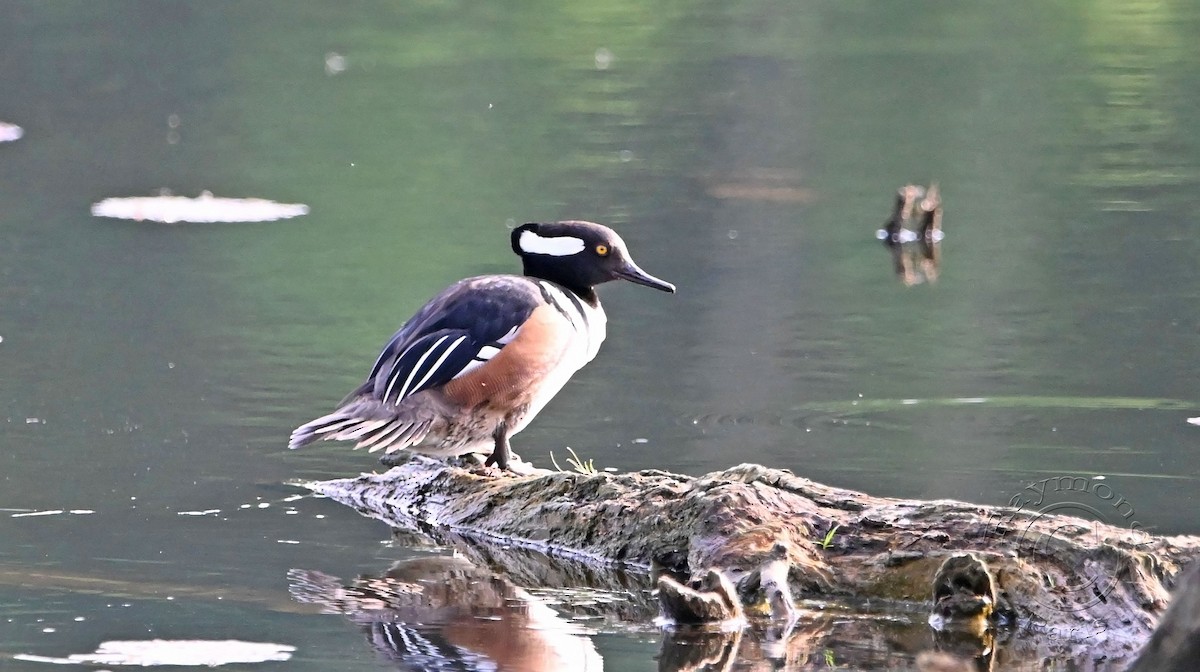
759 184
820 640
916 252
1134 135
489 606
444 613
452 613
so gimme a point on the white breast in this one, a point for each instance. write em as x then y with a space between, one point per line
590 322
591 326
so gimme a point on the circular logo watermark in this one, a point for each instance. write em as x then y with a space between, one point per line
1076 510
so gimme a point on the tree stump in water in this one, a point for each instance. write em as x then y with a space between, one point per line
1175 645
768 531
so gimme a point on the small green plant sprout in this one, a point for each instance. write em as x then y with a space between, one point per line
827 541
587 468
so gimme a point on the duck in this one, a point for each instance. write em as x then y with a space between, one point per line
475 365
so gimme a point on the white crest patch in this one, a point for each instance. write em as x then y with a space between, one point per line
558 246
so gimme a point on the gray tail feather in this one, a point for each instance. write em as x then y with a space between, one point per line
370 425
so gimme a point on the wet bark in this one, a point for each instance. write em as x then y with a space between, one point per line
768 531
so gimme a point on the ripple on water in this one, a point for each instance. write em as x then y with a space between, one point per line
842 410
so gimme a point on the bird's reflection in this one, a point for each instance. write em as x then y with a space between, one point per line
467 612
444 613
916 252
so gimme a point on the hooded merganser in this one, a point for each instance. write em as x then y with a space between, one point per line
475 365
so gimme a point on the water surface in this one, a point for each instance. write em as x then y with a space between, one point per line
150 374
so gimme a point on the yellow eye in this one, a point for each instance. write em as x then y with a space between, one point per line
602 250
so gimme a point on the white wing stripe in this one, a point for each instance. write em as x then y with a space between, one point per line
438 364
507 338
486 352
416 367
471 366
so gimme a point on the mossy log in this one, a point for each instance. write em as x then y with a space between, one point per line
768 531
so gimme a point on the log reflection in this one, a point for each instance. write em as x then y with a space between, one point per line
469 611
447 612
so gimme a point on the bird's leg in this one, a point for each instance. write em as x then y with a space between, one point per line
499 456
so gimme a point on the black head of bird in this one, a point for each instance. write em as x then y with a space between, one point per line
578 255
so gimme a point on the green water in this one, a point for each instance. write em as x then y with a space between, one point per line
746 151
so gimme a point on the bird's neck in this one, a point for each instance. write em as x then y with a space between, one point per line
578 288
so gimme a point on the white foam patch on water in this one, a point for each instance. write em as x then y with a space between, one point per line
182 652
30 514
10 132
26 513
206 512
205 209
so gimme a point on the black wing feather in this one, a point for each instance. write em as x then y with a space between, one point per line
447 333
430 361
